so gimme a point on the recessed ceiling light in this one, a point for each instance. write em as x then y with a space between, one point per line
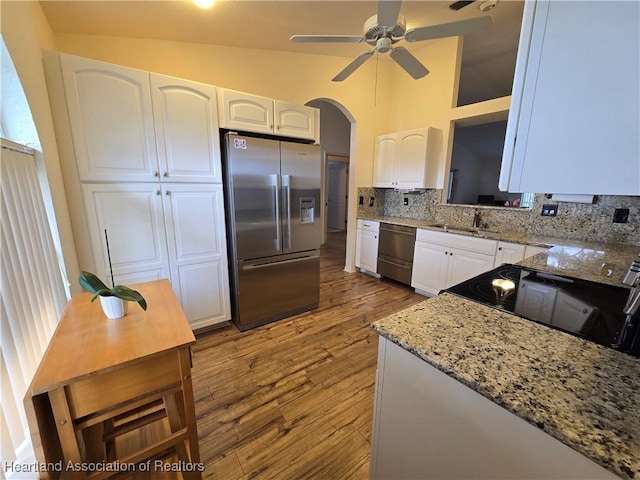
204 3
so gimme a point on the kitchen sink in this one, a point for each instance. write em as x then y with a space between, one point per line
459 228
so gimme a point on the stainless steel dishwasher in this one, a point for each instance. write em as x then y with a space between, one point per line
395 252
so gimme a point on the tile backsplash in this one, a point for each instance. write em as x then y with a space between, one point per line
590 222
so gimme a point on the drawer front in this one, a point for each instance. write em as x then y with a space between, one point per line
108 389
463 242
369 225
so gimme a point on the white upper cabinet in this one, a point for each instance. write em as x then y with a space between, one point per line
407 159
251 113
296 121
111 118
131 126
385 160
575 111
186 124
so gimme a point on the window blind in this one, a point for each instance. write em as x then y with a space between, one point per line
32 294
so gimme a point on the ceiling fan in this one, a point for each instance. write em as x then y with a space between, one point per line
385 29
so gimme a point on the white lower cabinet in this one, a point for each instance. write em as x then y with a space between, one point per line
443 259
531 250
367 245
509 253
173 231
428 425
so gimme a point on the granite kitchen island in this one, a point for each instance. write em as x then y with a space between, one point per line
477 392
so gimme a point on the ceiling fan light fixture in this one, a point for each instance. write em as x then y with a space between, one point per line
488 5
383 45
204 3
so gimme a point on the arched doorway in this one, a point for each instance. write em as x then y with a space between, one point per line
335 139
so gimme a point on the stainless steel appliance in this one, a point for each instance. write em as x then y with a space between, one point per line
272 190
600 313
395 252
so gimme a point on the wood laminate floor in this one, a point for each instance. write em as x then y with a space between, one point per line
294 399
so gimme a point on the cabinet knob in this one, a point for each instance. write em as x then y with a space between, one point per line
156 174
451 253
499 248
158 192
165 174
168 192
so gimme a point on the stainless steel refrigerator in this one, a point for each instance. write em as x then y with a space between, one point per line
272 190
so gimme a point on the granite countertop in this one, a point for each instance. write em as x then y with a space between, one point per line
597 262
583 394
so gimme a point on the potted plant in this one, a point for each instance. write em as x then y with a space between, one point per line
114 300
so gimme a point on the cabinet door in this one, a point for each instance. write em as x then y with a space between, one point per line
368 250
429 267
509 253
575 100
531 250
296 121
111 119
248 113
197 251
411 166
133 219
186 122
384 161
465 265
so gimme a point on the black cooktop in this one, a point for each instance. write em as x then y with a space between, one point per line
589 310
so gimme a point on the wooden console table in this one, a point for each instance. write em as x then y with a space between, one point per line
101 379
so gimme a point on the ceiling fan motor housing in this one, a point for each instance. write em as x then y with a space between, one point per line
373 31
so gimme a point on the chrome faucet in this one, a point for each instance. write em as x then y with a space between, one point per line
477 219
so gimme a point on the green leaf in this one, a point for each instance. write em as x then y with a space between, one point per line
91 283
129 294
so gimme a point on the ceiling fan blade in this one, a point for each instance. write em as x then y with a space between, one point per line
388 11
406 60
327 38
453 29
349 69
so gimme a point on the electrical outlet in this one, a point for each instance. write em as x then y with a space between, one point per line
406 200
621 215
549 210
371 200
361 200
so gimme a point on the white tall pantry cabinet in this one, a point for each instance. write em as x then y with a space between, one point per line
141 160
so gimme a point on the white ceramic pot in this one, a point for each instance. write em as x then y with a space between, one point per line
114 307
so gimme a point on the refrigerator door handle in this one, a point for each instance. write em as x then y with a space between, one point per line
286 219
276 195
256 266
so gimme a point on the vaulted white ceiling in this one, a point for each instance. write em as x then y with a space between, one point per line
263 23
